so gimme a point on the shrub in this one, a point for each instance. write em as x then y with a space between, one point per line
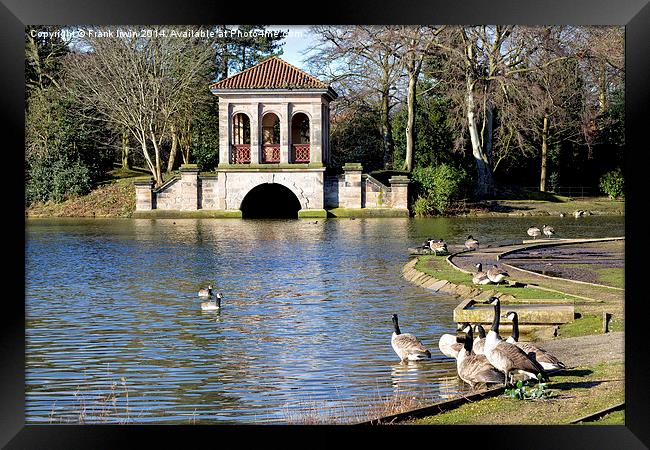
57 181
423 207
612 183
438 187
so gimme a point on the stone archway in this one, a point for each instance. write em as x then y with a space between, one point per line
270 200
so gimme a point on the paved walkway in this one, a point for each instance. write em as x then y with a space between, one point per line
592 299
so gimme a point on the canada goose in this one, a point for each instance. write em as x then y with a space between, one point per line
407 346
449 345
505 356
206 292
562 214
534 232
473 368
496 275
471 243
212 305
438 246
543 357
479 342
480 277
548 230
578 213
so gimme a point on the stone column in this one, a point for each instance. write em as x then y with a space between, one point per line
285 130
255 113
222 178
144 197
224 132
316 135
189 187
351 197
399 191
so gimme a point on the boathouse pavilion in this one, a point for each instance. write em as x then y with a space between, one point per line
273 152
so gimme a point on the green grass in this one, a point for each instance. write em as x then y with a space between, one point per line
612 276
439 268
614 418
589 324
578 393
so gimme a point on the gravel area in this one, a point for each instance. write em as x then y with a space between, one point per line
588 350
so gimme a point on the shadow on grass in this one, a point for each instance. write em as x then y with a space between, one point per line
568 385
574 372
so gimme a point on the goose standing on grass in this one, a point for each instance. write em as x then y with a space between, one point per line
496 275
438 246
479 342
505 356
480 277
548 230
207 292
212 305
545 359
473 368
578 213
534 232
471 243
407 346
449 345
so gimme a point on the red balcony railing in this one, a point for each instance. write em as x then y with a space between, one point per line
271 153
300 153
241 154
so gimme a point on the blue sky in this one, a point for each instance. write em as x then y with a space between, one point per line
296 42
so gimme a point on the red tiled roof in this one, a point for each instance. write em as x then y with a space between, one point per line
273 73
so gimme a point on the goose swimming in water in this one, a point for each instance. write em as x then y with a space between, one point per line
473 368
407 346
212 305
505 356
496 275
534 232
545 359
548 230
480 277
206 292
471 243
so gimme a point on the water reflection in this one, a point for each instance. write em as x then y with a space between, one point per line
305 319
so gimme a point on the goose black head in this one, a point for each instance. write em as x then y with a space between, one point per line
395 324
479 267
510 315
480 330
470 237
492 301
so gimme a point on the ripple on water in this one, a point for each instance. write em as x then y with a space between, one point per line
305 324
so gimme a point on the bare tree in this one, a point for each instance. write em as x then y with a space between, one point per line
363 62
139 83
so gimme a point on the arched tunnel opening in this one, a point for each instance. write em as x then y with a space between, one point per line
270 201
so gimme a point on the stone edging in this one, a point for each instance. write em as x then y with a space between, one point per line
411 274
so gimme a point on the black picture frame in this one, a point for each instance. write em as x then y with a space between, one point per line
633 14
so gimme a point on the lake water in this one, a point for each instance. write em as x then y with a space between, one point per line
115 332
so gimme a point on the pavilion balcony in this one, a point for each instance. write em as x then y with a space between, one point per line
300 153
270 153
240 154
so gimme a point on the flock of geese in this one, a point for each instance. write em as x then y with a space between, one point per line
487 359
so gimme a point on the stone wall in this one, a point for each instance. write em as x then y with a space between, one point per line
226 189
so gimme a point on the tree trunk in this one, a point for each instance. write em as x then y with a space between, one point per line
485 184
125 151
542 178
386 130
602 91
157 167
172 152
410 122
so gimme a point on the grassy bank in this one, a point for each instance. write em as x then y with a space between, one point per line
115 198
439 268
576 393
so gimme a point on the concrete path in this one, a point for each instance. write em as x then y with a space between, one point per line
593 299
